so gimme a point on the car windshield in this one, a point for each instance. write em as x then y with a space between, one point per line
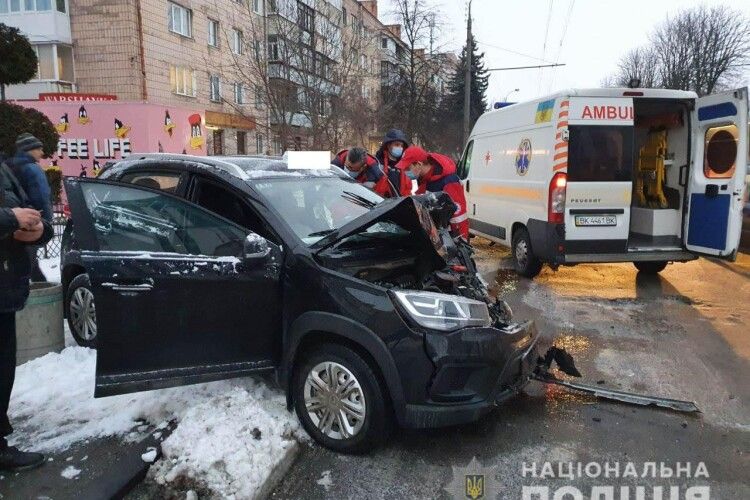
315 207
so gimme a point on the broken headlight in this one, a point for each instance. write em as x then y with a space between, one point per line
439 311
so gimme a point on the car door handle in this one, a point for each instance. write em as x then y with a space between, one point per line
130 287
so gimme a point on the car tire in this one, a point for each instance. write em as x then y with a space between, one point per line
81 311
650 267
525 262
366 397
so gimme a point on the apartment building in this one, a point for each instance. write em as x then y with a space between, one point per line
47 25
186 54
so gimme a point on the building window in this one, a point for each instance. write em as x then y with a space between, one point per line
277 147
29 5
343 16
213 33
384 43
259 146
273 48
218 142
239 93
271 6
257 6
258 97
65 63
214 88
241 136
182 81
180 20
61 6
45 55
236 41
305 17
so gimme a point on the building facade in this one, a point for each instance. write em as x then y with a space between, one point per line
265 75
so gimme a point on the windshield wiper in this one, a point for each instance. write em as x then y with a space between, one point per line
360 200
321 233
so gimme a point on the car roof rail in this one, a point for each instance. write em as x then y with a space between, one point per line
228 167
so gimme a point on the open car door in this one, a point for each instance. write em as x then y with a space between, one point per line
182 295
717 177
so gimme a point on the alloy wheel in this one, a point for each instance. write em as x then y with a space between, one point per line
83 313
334 400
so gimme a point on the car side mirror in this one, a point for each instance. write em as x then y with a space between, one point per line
255 249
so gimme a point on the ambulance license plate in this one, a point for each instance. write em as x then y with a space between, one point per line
596 220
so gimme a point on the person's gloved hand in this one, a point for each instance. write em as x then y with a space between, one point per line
29 235
27 218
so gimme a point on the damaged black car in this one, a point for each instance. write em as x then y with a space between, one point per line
367 311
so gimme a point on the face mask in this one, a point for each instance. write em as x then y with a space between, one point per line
411 175
352 173
397 151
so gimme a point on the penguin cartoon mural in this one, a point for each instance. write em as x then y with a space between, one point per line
196 136
63 124
121 131
96 168
83 116
168 123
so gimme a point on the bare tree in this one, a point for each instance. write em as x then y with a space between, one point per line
638 64
701 49
306 72
410 100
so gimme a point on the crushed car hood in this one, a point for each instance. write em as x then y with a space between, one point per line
409 213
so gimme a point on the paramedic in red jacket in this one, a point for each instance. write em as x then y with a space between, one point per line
435 172
365 169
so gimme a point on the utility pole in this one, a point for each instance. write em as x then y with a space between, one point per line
467 79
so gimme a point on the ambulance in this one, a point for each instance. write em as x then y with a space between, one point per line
648 176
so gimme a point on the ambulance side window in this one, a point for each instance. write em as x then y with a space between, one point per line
465 164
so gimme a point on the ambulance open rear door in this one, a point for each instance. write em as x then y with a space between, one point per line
716 179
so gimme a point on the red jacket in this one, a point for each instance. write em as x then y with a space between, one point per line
442 177
372 175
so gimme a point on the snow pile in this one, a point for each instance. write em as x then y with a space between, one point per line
230 434
230 442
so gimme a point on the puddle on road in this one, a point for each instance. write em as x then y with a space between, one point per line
577 345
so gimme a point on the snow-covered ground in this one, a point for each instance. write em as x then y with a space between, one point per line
229 437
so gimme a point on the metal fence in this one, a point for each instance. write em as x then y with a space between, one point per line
52 248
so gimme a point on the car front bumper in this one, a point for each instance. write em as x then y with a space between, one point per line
475 369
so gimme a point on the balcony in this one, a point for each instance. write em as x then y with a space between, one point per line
43 21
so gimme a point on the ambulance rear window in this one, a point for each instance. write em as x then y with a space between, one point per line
600 153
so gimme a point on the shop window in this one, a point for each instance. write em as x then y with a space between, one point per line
218 142
720 157
241 139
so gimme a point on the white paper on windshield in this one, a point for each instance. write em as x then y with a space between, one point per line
309 160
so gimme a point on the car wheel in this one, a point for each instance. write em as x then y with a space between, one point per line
650 267
526 263
340 401
81 311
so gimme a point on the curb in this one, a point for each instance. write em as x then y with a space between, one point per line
278 472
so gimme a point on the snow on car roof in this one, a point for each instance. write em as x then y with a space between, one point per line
245 167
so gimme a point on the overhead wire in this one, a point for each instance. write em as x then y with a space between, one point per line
562 41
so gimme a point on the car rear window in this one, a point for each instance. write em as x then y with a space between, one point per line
600 153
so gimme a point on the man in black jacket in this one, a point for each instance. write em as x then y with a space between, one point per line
19 227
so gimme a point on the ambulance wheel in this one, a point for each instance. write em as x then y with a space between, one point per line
526 263
650 267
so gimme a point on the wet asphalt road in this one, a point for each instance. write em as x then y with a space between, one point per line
682 335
